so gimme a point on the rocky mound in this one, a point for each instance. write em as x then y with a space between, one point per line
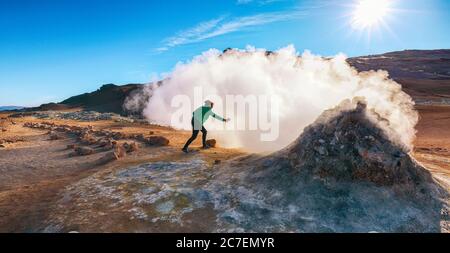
345 145
343 174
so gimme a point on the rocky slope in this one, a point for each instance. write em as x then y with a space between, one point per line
108 98
424 74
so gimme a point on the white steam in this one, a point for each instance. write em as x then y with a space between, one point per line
305 85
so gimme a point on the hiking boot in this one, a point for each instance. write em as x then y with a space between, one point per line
185 150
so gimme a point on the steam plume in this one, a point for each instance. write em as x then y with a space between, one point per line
305 85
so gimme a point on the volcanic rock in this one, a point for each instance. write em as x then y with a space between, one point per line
130 147
120 151
211 143
87 139
54 136
71 146
108 157
82 151
110 144
357 150
157 141
105 142
139 137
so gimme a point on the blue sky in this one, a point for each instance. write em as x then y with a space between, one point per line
53 49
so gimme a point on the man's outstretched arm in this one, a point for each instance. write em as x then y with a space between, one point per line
218 117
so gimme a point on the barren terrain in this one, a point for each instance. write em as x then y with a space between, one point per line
35 170
45 188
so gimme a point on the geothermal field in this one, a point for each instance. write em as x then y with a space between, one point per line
343 145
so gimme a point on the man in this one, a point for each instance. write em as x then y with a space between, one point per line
199 117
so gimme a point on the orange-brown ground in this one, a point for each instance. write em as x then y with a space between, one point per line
34 169
432 145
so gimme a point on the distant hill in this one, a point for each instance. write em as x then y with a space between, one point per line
10 108
424 74
108 98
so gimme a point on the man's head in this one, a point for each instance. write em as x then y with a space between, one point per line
208 103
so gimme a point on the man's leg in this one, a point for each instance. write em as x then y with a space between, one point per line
204 132
194 135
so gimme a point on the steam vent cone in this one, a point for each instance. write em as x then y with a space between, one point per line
343 174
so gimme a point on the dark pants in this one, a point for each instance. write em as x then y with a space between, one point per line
195 134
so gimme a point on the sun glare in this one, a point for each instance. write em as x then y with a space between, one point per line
369 13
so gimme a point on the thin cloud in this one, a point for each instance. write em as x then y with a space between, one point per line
260 2
162 49
221 26
244 1
191 35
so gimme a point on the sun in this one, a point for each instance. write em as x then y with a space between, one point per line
369 13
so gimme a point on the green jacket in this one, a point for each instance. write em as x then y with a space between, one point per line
202 114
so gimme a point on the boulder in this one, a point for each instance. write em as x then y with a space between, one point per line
211 143
110 144
71 146
87 139
130 147
104 142
120 151
119 135
60 129
133 147
54 136
157 141
82 151
108 157
139 137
